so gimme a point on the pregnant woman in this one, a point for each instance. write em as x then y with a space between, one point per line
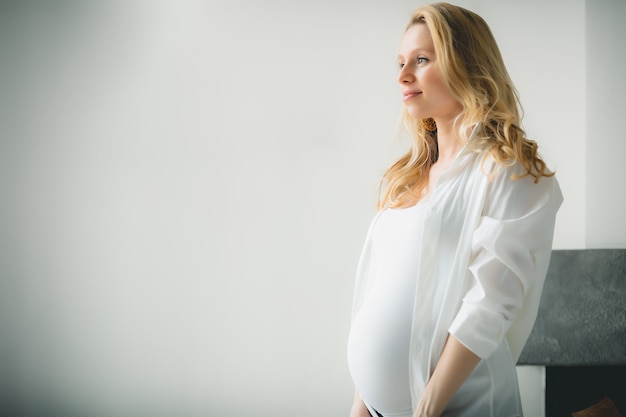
452 269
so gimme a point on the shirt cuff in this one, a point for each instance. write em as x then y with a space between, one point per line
479 330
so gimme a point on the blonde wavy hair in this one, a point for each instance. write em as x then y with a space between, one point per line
472 66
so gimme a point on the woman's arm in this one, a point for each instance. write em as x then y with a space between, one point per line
455 364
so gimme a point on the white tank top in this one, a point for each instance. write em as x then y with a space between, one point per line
378 345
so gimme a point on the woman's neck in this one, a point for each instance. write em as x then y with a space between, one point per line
449 142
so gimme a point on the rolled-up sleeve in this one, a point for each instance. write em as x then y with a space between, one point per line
509 251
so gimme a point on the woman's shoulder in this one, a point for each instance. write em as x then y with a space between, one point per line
511 184
512 170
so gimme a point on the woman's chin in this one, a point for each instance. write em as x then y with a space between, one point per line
416 115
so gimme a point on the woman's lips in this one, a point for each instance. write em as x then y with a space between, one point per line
410 94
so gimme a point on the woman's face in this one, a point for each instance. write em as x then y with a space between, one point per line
424 92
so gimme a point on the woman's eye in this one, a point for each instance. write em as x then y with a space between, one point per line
422 60
400 65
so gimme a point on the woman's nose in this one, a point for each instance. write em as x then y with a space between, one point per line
406 76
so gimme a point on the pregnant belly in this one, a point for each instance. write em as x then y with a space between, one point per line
378 353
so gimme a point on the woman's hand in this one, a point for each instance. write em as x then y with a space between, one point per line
358 407
455 364
427 407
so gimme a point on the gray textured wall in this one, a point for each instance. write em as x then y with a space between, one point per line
582 316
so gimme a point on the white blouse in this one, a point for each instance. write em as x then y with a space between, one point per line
486 240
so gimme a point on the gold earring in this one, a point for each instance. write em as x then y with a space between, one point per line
429 124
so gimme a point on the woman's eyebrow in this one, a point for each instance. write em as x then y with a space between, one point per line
417 50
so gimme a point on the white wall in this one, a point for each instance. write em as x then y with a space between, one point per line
186 187
606 140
